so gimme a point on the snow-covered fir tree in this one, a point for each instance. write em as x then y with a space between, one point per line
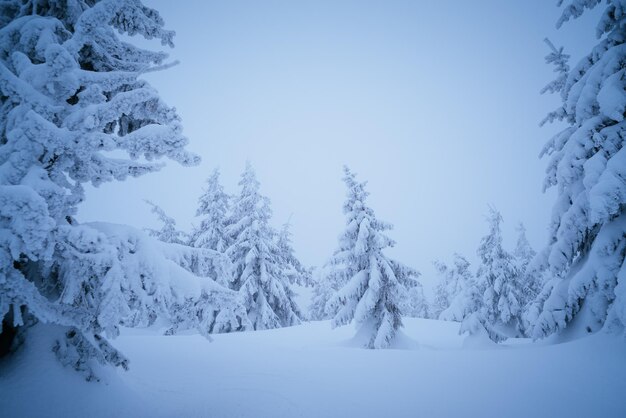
441 297
71 93
417 305
295 271
332 276
587 165
323 290
338 269
213 207
450 283
158 279
529 279
465 293
168 231
500 311
523 252
375 287
259 271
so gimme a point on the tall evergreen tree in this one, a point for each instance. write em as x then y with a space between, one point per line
341 266
523 251
295 271
500 311
211 234
497 271
376 287
70 93
259 272
213 206
530 280
587 245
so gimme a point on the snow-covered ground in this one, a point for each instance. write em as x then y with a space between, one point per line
313 371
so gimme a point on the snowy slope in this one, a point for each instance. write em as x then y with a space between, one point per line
313 371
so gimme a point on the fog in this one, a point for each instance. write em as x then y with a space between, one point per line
435 103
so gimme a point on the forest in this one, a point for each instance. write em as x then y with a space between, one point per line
219 314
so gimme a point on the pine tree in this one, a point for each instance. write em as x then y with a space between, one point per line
341 266
376 286
70 94
466 294
168 232
441 299
500 312
323 290
417 306
523 252
587 245
213 207
530 281
450 283
295 271
502 295
259 271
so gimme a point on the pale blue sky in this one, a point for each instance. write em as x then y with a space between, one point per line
436 103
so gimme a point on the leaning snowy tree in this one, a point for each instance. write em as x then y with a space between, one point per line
259 271
168 231
587 247
70 94
375 290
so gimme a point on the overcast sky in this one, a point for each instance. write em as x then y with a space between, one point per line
435 103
